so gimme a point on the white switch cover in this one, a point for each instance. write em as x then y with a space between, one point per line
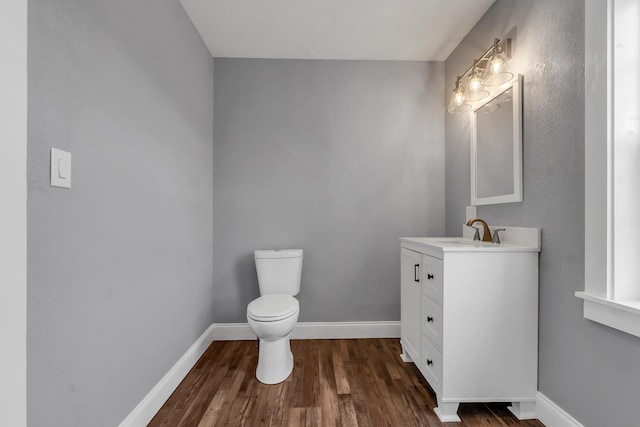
60 168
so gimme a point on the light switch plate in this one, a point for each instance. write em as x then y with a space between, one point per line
60 168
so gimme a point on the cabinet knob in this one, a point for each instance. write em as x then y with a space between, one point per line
429 276
429 362
415 273
429 319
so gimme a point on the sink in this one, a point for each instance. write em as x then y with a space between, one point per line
457 241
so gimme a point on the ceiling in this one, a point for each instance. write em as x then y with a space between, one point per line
401 30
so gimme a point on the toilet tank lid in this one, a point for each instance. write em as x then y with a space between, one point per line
283 253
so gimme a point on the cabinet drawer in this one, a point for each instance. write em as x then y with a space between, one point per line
432 320
431 364
432 277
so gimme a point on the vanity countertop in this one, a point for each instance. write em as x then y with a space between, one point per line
459 244
514 239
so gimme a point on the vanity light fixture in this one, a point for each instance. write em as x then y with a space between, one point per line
475 84
496 62
459 102
476 78
474 90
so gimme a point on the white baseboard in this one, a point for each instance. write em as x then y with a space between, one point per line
232 332
314 330
152 402
551 415
334 330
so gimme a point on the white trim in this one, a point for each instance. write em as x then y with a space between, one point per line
151 404
516 196
551 415
232 332
598 148
315 330
404 356
609 255
621 315
153 401
335 330
524 409
13 214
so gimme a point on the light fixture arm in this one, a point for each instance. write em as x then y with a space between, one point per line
506 49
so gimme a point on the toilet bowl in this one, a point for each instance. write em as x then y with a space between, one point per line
273 316
272 319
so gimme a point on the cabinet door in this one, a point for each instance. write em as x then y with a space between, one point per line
410 303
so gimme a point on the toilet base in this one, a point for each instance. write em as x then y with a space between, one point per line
275 360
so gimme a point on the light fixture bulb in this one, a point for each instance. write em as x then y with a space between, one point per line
458 95
458 102
497 62
474 83
476 79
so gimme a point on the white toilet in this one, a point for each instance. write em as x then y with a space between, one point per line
273 316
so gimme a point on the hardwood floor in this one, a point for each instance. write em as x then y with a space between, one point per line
334 383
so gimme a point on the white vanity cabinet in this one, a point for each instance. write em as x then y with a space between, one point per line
469 319
410 303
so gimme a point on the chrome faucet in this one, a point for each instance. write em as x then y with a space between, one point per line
486 234
476 235
496 236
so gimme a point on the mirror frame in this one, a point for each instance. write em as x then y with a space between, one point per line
516 196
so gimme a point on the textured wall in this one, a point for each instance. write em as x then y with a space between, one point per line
338 158
590 370
119 266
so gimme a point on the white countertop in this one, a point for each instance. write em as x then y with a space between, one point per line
459 244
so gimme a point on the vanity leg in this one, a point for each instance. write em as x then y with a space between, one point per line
404 355
523 410
447 412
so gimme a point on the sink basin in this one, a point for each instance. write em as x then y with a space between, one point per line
462 242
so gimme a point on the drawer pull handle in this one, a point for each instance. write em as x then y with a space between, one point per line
429 276
429 319
429 362
415 273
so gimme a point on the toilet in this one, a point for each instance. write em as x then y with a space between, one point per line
274 314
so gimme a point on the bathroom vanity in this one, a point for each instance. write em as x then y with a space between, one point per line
469 318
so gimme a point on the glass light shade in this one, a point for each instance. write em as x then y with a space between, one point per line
457 109
497 75
458 104
478 95
475 82
496 63
458 96
498 79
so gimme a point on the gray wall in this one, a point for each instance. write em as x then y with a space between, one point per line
339 158
590 370
119 266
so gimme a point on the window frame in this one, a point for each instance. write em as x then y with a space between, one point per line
599 296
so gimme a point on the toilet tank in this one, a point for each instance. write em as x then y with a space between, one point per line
279 271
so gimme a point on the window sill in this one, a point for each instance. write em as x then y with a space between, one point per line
621 315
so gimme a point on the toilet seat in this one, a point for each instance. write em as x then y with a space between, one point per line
271 308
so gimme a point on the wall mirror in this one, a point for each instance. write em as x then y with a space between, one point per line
496 147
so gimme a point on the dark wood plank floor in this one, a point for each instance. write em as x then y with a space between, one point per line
334 383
